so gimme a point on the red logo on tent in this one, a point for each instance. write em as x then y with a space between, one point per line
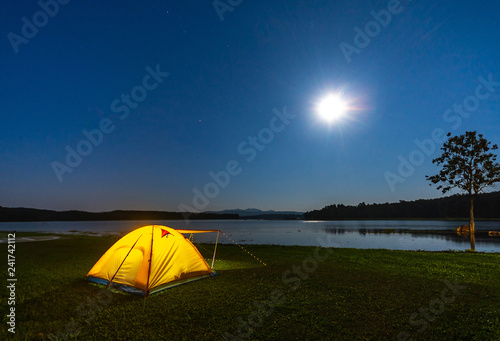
164 233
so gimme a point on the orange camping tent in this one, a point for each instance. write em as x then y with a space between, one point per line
150 259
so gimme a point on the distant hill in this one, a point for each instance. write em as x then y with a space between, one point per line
254 213
31 214
487 206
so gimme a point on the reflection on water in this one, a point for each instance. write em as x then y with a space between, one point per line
458 237
428 235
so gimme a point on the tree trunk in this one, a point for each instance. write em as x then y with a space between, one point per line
472 225
471 216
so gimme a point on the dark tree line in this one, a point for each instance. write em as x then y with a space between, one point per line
456 206
30 214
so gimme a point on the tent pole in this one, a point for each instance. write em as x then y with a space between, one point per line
112 278
213 259
150 257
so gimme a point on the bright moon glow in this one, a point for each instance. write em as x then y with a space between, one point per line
332 108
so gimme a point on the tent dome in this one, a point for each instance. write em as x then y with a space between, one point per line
149 259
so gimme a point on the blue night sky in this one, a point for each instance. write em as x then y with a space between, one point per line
133 104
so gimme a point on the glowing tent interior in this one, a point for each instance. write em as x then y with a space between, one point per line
150 259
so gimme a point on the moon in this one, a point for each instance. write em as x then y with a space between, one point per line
332 108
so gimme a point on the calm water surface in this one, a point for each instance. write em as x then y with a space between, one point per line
403 234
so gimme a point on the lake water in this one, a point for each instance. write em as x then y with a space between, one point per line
365 234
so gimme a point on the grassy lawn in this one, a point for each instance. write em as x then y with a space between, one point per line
304 293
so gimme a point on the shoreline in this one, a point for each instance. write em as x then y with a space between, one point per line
257 219
48 236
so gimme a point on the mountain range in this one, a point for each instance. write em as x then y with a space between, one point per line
487 206
253 212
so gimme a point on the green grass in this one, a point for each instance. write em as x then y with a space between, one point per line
353 294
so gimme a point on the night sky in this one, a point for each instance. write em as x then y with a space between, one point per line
212 105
